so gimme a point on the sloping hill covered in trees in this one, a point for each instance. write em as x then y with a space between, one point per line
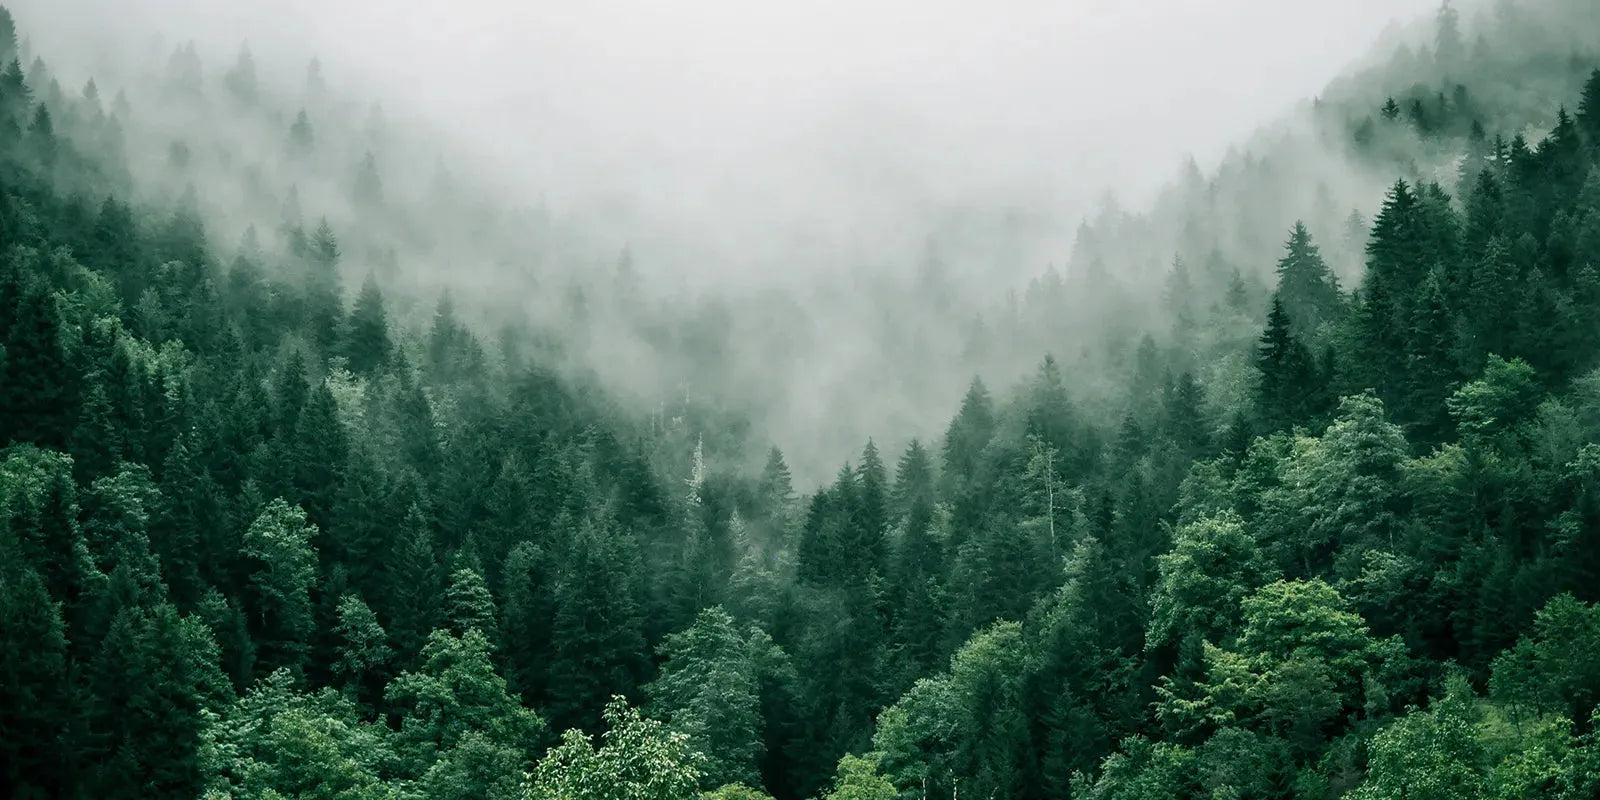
1332 535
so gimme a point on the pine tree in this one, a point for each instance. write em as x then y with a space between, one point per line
36 396
1287 387
368 346
414 584
866 550
302 139
1430 370
1307 288
468 604
241 79
364 653
708 689
316 455
367 189
775 488
35 698
1448 48
96 442
278 546
525 628
324 302
597 643
1589 109
1185 416
8 37
914 482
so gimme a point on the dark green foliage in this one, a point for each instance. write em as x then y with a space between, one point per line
34 666
1288 387
256 543
1307 288
36 392
368 345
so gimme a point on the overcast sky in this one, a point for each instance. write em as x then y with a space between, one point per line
718 114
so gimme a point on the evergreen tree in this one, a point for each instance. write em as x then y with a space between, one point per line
368 346
279 548
1287 390
1306 286
468 604
241 79
302 139
324 304
708 690
414 583
368 187
36 395
364 652
596 634
1589 108
36 690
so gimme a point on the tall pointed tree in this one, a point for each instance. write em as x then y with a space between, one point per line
1307 288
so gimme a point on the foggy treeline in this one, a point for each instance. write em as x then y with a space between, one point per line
344 462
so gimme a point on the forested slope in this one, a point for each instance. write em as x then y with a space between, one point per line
1303 538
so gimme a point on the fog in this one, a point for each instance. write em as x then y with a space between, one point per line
735 148
734 130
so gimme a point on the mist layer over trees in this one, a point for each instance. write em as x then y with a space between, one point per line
330 476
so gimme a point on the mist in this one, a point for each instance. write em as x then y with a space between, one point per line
745 157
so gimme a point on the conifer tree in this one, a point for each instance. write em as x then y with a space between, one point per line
283 562
36 397
1306 286
1589 109
415 581
526 622
776 487
363 653
241 79
36 693
367 188
367 346
468 604
596 634
1287 387
302 139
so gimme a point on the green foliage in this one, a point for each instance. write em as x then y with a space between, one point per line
457 692
858 779
213 466
284 562
639 759
709 689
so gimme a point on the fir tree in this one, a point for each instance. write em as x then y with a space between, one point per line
367 346
302 139
1306 286
1285 394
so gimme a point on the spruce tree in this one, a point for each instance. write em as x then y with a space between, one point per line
468 604
1287 382
413 586
363 658
36 393
302 139
367 344
1307 288
35 698
367 188
283 574
596 631
1589 109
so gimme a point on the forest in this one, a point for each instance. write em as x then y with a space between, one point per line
280 521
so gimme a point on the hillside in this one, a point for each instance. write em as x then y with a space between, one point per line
1287 486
